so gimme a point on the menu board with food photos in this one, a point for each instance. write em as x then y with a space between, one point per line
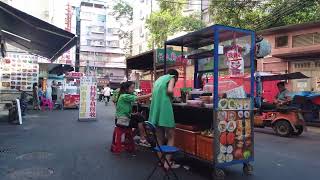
234 137
19 72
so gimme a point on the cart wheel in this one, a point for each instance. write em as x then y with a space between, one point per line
247 169
283 128
218 174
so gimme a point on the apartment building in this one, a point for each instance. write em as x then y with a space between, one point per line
295 48
99 41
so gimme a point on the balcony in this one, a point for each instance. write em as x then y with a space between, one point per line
296 44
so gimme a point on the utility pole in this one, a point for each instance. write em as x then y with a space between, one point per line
201 10
154 77
77 60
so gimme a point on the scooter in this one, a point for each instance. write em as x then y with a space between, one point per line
285 120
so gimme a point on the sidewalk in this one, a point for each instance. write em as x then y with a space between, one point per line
313 129
55 146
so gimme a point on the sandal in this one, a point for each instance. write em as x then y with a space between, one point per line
173 165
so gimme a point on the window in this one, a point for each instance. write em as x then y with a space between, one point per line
141 31
100 6
98 43
114 31
140 48
281 41
101 18
114 43
97 29
86 16
306 39
317 64
303 65
141 15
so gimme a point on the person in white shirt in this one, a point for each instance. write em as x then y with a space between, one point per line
107 92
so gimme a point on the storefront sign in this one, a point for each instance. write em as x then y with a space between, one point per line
88 94
173 57
74 75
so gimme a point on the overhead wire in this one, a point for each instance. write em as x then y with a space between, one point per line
280 12
276 14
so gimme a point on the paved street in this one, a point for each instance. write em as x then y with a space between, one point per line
55 146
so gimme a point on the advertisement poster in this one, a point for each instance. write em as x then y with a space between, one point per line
18 72
234 136
235 61
88 96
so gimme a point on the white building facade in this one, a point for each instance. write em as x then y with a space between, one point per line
99 41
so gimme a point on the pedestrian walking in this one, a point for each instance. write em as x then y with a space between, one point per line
35 95
161 111
107 93
124 116
54 92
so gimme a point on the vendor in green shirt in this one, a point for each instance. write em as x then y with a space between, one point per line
124 109
161 111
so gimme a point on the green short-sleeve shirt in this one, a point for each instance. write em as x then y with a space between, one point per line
124 103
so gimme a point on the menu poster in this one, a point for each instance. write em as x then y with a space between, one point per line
235 132
88 94
18 72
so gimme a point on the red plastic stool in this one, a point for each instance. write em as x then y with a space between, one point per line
117 145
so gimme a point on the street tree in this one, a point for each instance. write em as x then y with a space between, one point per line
170 20
262 14
123 13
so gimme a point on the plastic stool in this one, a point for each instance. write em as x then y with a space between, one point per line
46 102
117 145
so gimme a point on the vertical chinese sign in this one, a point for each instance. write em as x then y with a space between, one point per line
88 94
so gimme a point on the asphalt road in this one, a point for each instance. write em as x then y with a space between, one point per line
55 146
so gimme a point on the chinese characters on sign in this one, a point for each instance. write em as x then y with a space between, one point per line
173 57
88 93
93 93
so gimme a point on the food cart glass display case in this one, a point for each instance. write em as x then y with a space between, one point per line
71 90
221 51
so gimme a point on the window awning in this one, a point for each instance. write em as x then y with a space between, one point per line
32 34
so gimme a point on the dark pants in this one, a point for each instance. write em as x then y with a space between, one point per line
108 98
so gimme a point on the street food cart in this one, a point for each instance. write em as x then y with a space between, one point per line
214 126
152 62
71 90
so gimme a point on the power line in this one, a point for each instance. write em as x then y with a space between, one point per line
194 4
280 12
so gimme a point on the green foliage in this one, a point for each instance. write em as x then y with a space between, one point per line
123 10
169 20
292 12
243 14
257 15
